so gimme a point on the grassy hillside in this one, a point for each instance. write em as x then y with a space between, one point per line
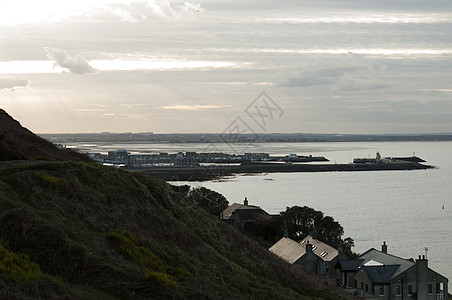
18 143
83 231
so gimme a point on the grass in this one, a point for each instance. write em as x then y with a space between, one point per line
108 234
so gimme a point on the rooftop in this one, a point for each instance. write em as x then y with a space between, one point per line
291 251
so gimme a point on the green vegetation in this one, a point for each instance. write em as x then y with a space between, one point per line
125 242
21 272
84 231
300 222
18 267
211 201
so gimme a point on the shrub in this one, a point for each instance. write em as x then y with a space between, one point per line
162 279
18 267
53 180
141 256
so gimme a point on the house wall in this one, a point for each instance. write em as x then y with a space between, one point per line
368 290
420 290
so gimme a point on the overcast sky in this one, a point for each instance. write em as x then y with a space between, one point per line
329 66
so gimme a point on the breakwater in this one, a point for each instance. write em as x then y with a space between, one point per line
200 173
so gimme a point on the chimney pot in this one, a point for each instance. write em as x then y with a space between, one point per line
245 202
384 247
286 232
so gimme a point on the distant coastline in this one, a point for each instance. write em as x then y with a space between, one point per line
149 137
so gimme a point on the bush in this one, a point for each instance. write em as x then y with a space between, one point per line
141 256
162 279
18 267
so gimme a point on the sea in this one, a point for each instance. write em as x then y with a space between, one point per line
409 210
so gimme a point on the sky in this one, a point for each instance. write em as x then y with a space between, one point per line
320 66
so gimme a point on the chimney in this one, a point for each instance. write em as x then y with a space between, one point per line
308 247
384 248
422 271
286 233
245 202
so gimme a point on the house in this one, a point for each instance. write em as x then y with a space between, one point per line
311 253
379 275
240 214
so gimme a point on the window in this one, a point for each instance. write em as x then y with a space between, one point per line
367 287
410 289
430 288
397 290
382 291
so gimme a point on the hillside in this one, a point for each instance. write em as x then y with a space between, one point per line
77 230
18 143
84 231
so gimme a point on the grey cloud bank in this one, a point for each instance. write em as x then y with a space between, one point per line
10 84
333 66
75 64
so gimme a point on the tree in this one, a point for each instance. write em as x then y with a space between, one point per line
300 221
209 200
347 244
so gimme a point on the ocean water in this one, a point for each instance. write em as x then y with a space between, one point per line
403 208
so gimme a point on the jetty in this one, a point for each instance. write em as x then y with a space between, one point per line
210 172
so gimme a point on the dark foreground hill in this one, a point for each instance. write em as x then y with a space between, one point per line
72 230
18 143
76 230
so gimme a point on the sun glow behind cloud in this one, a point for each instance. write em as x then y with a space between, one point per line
30 11
26 11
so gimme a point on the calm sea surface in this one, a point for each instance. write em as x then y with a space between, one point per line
403 208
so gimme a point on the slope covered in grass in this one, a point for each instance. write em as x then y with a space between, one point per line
85 231
18 143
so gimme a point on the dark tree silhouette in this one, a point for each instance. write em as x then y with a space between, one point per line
301 221
209 200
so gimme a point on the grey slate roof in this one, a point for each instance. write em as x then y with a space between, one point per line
227 213
388 260
381 274
351 264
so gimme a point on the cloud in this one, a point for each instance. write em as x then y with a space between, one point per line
319 77
306 81
124 15
192 107
9 84
350 82
76 64
164 10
